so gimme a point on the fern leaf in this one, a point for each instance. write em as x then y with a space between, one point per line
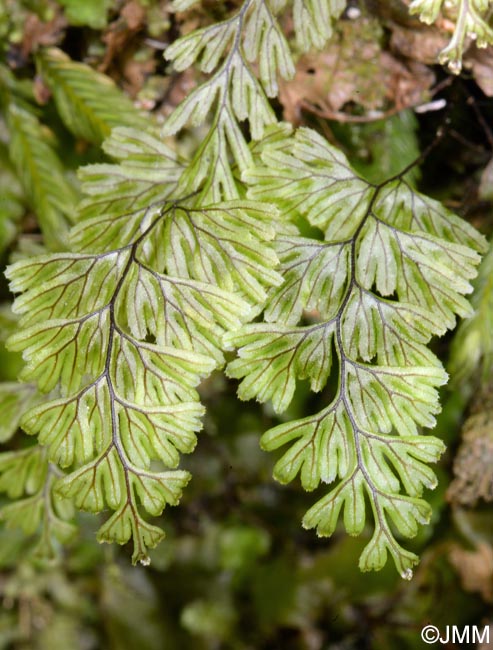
125 328
114 388
390 274
12 203
252 34
256 25
216 96
28 478
88 102
272 359
41 173
215 243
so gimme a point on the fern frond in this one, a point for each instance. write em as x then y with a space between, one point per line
168 261
12 202
390 274
41 173
88 102
28 479
126 334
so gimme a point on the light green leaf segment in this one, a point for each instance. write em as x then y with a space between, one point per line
170 260
390 273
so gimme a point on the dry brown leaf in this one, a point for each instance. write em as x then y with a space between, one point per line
180 87
481 63
36 32
121 32
354 70
134 14
122 43
42 93
422 45
135 73
475 569
473 464
408 83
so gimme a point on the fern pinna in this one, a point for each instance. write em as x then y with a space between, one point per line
171 260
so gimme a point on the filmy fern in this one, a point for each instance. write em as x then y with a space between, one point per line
127 331
168 265
388 275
